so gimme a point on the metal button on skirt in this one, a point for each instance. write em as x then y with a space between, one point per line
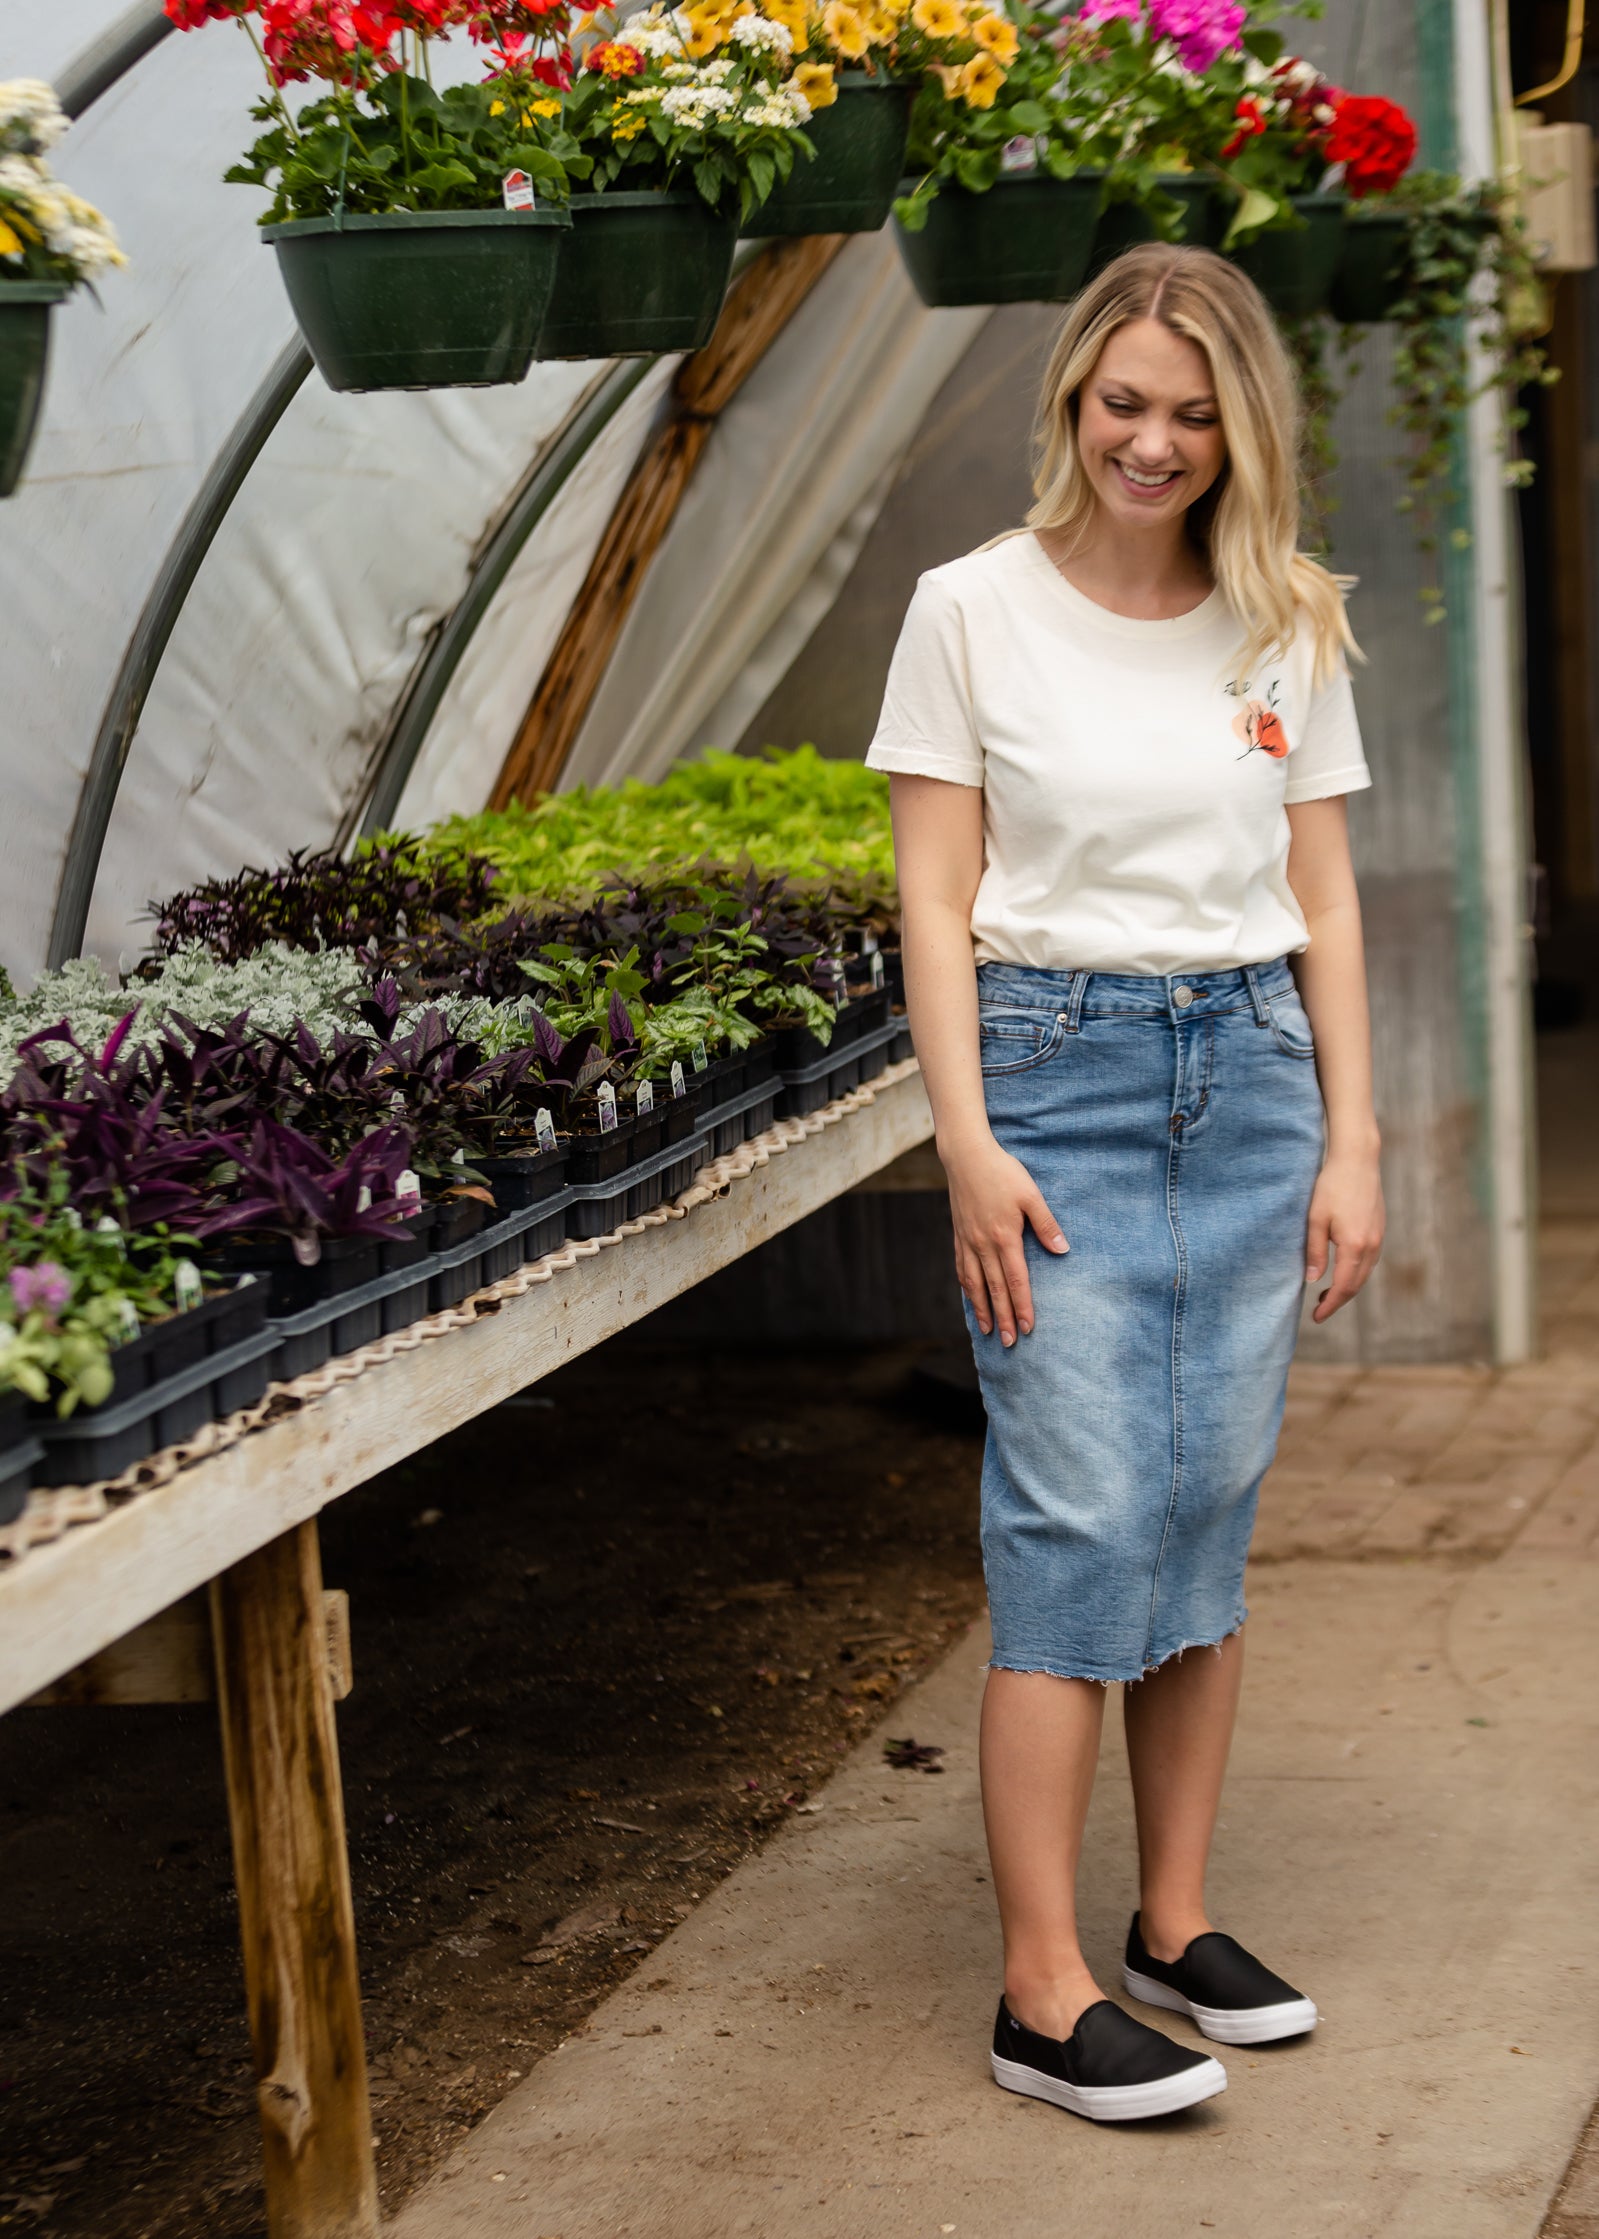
1175 1128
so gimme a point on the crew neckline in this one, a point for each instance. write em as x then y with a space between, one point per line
1201 617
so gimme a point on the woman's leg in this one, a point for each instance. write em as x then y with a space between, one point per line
1179 1727
1040 1747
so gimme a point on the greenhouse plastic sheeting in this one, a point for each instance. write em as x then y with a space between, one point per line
357 527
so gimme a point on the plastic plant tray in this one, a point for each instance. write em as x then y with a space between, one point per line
736 1119
20 1449
598 1207
806 1088
901 1046
103 1441
520 1182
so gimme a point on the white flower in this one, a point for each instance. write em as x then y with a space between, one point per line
763 35
679 72
781 108
718 72
658 35
30 113
1298 75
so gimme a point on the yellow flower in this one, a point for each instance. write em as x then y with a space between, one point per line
940 19
996 35
548 107
845 31
627 124
882 26
813 82
704 33
980 81
11 243
949 77
794 16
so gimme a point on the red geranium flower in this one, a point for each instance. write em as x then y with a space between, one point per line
1251 120
1373 139
617 59
188 15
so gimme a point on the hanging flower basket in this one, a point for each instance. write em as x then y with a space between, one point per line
1294 266
414 299
1373 269
642 272
1027 240
25 307
1124 225
850 184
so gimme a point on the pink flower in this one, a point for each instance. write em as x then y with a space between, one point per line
44 1286
1107 11
1199 29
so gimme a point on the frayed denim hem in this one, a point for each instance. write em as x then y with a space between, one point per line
1048 1668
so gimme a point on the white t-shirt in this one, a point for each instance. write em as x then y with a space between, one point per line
1133 799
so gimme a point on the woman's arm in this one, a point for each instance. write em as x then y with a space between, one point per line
1346 1209
938 846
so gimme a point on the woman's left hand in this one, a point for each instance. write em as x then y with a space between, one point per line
1347 1212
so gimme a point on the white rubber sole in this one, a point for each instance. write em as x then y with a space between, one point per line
1248 2025
1115 2102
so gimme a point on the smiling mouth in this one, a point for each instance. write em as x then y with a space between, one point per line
1141 481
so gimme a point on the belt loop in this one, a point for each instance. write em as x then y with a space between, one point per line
1252 978
1074 1001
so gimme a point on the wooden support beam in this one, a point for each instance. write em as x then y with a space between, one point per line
297 1923
169 1659
759 305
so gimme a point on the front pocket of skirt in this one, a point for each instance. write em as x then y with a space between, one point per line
1015 1041
1290 1027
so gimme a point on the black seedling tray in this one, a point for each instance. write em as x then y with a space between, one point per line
103 1441
520 1182
346 1263
20 1449
735 1120
795 1047
165 1348
598 1207
901 1046
411 1244
807 1088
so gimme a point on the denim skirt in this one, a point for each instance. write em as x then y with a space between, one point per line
1175 1128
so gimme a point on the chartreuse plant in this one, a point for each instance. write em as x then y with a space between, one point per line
798 811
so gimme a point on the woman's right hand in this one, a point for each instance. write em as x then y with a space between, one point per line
992 1199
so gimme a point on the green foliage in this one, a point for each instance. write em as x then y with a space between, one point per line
796 812
401 146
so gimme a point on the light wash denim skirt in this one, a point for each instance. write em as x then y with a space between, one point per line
1175 1128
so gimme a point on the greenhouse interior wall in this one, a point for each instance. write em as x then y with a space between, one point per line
875 439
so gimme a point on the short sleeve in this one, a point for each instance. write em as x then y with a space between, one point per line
927 727
1328 758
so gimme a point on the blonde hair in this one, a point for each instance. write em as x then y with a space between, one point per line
1247 523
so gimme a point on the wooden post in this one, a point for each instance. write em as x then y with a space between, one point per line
297 1924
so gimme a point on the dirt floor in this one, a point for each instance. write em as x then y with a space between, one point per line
606 1639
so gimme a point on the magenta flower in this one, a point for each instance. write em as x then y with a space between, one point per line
1106 11
1199 29
44 1286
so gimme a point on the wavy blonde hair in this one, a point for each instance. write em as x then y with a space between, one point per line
1247 523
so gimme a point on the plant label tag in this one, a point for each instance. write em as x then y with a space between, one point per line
679 1084
879 976
517 190
701 1061
363 1198
1019 155
840 994
544 1128
644 1101
127 1321
458 1158
186 1285
407 1184
606 1097
869 941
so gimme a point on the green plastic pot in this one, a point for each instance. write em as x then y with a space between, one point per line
420 299
1127 225
1027 240
850 184
1373 269
25 307
642 272
1294 266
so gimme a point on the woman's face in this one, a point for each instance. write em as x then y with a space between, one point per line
1148 426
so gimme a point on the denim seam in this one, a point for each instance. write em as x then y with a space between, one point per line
1179 1299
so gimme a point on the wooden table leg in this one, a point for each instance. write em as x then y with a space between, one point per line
297 1924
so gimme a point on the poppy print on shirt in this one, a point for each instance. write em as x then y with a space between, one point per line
1258 723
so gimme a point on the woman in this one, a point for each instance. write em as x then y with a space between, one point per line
1120 741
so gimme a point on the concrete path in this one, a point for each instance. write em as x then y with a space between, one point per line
1408 1833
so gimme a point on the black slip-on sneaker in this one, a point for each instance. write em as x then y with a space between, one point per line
1111 2068
1221 1987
